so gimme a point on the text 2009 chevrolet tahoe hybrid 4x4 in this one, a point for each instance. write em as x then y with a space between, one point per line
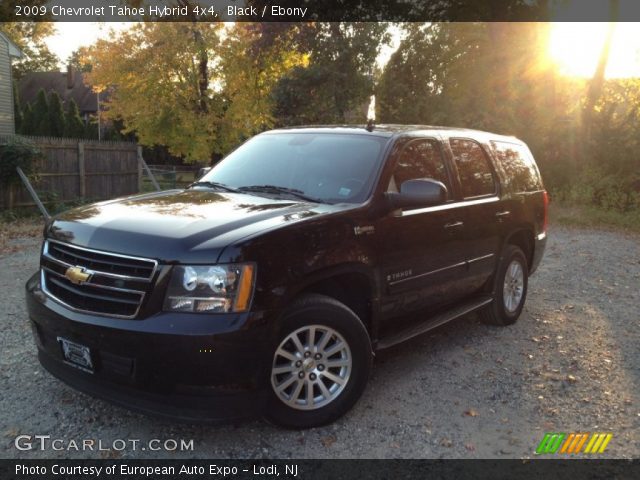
266 286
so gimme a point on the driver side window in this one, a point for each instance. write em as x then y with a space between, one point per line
419 159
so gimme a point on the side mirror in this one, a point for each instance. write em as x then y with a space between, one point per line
202 172
417 193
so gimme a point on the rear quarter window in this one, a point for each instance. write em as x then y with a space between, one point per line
519 167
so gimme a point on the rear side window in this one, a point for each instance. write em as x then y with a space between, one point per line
419 159
519 167
474 169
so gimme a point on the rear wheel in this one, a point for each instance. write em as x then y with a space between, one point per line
320 365
510 289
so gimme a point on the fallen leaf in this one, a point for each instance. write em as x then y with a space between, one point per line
471 447
471 413
445 442
328 441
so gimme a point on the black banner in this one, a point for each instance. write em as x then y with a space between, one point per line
318 10
319 469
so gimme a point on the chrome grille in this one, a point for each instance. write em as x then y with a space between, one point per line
116 287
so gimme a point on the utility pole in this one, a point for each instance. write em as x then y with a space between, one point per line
98 98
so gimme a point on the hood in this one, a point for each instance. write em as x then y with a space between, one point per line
178 225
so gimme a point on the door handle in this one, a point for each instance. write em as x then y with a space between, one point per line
501 215
454 225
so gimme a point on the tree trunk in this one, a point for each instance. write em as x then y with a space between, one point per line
597 81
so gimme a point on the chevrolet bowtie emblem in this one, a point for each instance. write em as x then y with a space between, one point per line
77 275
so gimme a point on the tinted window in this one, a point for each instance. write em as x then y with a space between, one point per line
330 167
474 169
519 167
419 159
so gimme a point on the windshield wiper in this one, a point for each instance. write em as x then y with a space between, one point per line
220 186
279 190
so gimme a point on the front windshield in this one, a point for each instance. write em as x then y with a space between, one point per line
331 168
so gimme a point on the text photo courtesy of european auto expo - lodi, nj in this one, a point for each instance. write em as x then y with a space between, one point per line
319 239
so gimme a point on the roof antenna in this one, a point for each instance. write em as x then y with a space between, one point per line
370 125
371 114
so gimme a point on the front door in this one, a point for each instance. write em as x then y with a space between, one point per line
422 250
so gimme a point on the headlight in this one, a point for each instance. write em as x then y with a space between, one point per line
210 288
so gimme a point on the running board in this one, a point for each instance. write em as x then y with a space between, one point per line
433 322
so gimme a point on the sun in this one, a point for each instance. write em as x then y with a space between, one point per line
576 47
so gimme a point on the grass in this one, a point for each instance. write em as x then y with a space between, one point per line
594 217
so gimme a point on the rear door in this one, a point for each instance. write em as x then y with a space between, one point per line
422 253
484 212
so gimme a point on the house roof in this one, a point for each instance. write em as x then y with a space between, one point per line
85 97
14 51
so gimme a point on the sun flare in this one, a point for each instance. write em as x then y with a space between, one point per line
576 47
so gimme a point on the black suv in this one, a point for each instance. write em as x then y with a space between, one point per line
267 285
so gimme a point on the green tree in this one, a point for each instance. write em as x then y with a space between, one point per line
28 125
56 115
337 81
31 38
17 109
73 124
41 121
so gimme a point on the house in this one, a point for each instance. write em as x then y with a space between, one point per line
69 85
8 50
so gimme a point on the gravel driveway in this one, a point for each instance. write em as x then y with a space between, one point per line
571 364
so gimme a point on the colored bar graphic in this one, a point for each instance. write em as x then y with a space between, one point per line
572 443
580 443
606 442
550 443
598 443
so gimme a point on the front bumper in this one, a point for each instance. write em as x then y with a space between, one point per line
189 367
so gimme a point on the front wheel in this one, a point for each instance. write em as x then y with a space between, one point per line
509 289
320 365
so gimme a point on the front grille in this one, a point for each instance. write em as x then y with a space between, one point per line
116 287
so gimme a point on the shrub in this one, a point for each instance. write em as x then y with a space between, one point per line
17 153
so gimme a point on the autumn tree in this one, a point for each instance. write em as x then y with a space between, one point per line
252 62
193 87
154 75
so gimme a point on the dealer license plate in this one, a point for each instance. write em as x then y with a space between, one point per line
76 355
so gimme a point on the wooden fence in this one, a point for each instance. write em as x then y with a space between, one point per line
72 170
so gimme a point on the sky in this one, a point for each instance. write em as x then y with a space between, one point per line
72 35
574 46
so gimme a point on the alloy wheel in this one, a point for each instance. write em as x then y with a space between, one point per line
311 367
513 288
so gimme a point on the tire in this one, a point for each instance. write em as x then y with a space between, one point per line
511 277
339 358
